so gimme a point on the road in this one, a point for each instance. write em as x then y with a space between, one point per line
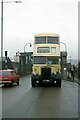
23 101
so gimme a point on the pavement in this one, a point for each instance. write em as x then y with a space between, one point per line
75 80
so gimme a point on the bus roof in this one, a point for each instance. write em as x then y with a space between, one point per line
46 34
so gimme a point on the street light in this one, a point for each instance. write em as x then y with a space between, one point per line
65 46
2 23
12 1
25 46
70 59
63 59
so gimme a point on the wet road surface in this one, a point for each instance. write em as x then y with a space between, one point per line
23 101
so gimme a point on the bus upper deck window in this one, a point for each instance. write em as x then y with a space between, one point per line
53 40
40 40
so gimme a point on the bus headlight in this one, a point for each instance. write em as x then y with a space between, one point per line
55 82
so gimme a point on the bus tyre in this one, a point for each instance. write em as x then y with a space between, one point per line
32 82
59 83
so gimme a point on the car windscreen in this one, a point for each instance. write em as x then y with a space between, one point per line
4 73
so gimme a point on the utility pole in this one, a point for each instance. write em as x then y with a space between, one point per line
1 33
2 2
70 59
6 64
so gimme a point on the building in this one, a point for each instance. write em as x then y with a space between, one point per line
23 63
5 63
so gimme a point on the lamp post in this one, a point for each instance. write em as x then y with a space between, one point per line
2 2
65 46
70 59
64 61
1 30
25 46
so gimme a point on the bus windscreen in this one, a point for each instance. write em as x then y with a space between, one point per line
39 59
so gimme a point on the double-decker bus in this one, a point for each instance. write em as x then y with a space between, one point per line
46 59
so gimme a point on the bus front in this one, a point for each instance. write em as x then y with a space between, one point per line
46 59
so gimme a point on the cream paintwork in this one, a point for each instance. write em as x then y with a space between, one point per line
46 45
57 46
37 68
54 67
46 34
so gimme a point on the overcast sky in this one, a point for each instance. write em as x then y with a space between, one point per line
23 20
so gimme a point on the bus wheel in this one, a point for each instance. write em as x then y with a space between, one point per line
59 83
40 82
33 82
